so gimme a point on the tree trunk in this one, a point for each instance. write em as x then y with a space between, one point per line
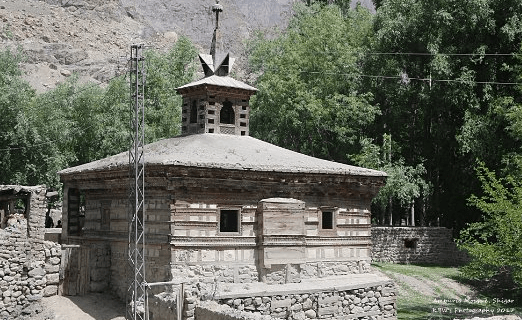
413 213
391 210
422 217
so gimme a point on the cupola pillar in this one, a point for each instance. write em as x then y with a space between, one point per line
217 103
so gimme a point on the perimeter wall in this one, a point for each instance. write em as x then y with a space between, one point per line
423 245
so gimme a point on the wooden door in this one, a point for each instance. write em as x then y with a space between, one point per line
74 270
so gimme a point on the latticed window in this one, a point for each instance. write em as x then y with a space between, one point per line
76 211
194 112
227 116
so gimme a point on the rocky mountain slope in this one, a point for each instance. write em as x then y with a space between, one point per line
93 37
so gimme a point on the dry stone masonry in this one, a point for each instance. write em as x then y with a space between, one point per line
29 266
376 299
425 245
357 303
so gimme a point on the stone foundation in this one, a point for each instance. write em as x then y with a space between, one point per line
361 297
215 273
277 274
423 245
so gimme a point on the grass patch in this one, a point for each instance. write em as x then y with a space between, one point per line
435 292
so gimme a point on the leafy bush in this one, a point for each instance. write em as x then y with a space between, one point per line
495 242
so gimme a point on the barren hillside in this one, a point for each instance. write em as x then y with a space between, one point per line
92 37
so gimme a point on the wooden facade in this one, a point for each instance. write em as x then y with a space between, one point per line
210 224
221 206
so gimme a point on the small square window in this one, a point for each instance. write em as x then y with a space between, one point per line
229 220
327 220
410 243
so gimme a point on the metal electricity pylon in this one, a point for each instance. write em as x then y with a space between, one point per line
137 308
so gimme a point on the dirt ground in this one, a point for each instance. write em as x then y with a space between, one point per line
93 306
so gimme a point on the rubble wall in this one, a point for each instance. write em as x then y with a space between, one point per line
29 270
364 301
210 310
422 245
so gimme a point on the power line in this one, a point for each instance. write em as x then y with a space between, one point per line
444 54
400 77
415 78
474 54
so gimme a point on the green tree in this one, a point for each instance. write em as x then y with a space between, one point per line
439 89
21 151
310 97
495 242
165 72
86 122
405 186
77 123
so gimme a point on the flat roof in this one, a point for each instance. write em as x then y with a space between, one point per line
224 151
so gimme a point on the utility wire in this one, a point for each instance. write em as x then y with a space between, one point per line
442 54
404 77
408 78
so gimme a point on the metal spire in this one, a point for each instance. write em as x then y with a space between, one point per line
217 62
217 8
216 39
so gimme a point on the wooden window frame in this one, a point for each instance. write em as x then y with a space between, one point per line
329 231
238 222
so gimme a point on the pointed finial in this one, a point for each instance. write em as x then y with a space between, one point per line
217 8
216 44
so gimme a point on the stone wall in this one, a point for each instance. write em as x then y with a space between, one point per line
53 255
422 245
209 274
360 296
163 306
365 302
119 269
53 234
210 310
100 264
29 270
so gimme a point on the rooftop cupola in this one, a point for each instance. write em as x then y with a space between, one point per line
217 103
